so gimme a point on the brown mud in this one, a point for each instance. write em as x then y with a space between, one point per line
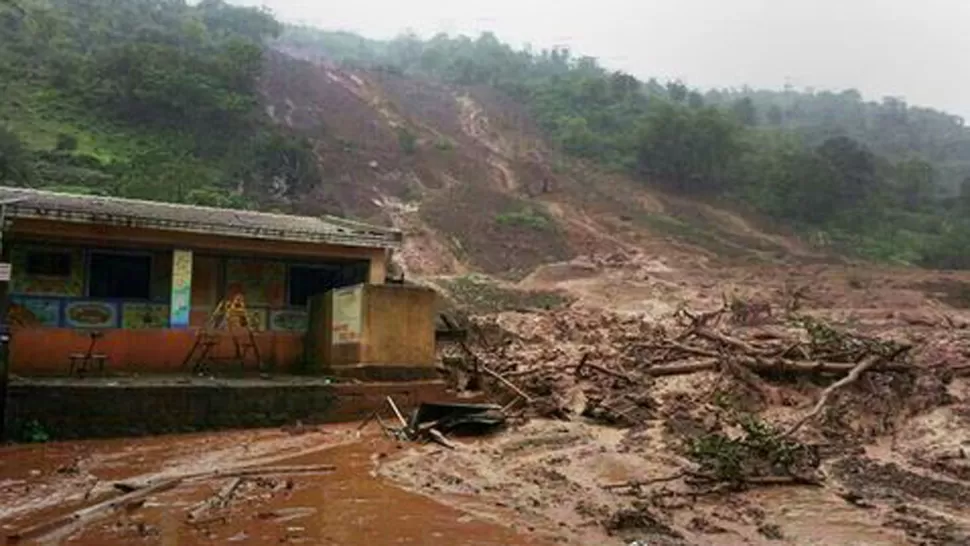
348 506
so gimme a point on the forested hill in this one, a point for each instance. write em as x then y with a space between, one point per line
153 99
880 178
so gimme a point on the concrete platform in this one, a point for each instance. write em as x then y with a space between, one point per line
68 408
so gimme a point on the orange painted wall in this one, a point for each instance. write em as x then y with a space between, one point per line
45 351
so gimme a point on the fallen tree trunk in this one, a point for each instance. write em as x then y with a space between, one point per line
498 377
220 500
233 473
91 512
852 376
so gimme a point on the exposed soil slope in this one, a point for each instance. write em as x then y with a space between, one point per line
469 179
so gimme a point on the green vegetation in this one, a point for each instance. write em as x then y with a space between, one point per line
761 450
407 141
883 180
152 99
34 433
527 217
482 295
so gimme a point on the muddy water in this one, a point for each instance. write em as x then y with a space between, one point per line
346 507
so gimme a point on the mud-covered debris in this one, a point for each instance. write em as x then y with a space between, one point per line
927 528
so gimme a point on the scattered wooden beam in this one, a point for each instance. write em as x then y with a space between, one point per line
220 500
498 377
397 413
91 513
850 378
237 472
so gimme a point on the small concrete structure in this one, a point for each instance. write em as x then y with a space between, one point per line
373 331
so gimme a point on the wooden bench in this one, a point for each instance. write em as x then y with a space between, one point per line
81 363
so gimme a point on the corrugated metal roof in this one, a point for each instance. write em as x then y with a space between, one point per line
90 209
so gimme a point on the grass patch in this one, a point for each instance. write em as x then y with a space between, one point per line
691 234
479 295
527 217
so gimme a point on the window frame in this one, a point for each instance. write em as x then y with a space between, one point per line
88 276
48 250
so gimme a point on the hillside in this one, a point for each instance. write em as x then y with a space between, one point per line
877 179
492 160
468 176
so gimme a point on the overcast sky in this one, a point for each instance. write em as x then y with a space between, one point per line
916 49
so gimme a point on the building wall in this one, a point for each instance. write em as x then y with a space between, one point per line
46 351
55 316
399 325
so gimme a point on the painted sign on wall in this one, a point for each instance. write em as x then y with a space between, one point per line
181 288
91 314
346 315
144 315
35 312
288 320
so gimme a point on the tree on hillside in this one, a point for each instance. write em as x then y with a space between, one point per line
14 167
745 111
915 180
677 91
855 169
690 149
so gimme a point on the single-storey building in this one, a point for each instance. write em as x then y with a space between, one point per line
146 275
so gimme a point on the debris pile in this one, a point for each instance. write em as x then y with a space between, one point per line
430 422
696 406
601 365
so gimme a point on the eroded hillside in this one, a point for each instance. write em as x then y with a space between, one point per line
467 176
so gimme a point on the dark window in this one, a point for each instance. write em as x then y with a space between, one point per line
120 276
310 281
307 281
49 264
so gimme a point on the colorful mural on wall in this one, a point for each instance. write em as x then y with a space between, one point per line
260 282
144 315
91 314
288 320
22 282
181 288
35 312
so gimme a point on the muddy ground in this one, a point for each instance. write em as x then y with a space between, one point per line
349 505
610 447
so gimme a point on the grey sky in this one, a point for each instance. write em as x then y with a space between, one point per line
914 49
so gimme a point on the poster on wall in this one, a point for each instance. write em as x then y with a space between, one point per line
288 320
35 312
91 314
181 288
139 316
346 315
260 282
